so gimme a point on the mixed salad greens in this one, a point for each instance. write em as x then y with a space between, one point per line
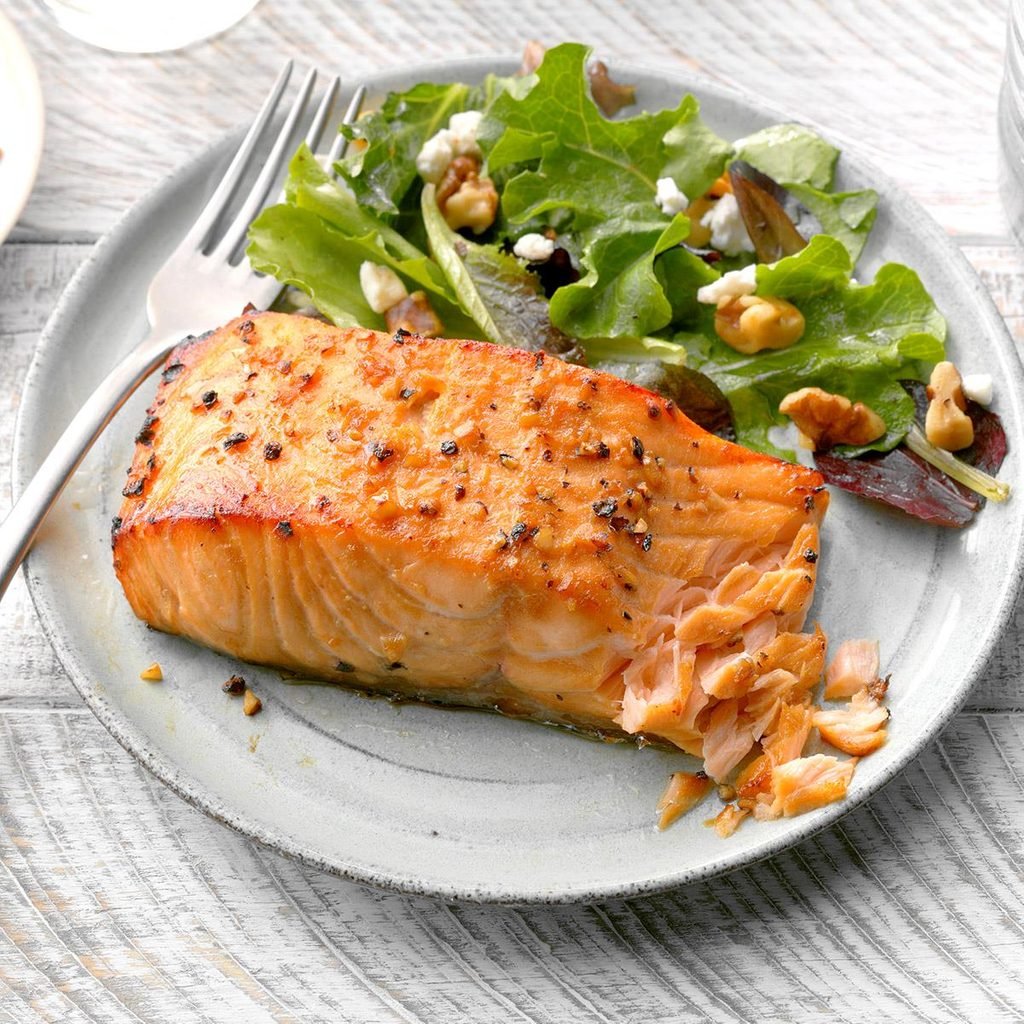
623 293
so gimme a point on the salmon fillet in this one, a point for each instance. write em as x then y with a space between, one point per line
475 525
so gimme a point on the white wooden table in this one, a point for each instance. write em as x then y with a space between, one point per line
120 903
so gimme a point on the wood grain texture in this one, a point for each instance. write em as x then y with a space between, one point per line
117 123
119 903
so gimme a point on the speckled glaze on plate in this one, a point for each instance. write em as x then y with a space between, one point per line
466 805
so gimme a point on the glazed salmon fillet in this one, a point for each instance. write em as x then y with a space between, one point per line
476 525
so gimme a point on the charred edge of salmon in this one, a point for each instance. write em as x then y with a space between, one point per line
172 367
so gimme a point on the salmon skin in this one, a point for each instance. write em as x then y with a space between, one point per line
464 523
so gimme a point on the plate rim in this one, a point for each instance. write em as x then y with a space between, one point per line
189 789
24 70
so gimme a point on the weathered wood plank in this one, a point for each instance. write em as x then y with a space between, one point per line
119 902
31 280
164 107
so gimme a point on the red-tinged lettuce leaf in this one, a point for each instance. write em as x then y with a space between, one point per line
990 444
770 214
903 480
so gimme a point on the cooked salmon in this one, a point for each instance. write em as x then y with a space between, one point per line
808 783
858 728
684 791
476 525
854 667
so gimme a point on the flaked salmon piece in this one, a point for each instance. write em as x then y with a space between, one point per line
684 791
464 523
728 819
858 728
755 777
786 741
728 739
854 666
808 783
747 592
662 697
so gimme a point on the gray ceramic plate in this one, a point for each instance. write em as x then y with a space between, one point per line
465 804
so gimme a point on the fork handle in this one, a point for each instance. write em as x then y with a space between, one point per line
23 521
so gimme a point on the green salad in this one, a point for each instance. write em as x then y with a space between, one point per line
620 241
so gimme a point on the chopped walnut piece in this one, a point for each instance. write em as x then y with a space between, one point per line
752 323
947 424
415 315
609 95
153 674
460 170
825 419
700 234
474 205
721 185
251 704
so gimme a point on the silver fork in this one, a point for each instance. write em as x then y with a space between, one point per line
198 288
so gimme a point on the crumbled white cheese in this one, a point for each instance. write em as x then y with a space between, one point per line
728 232
458 139
435 156
381 286
463 128
978 388
534 248
670 198
730 286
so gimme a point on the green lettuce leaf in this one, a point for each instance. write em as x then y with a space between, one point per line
681 273
317 240
597 178
620 294
381 169
585 163
848 216
502 297
859 341
298 248
696 155
804 164
791 154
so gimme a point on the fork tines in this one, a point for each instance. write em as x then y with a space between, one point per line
222 238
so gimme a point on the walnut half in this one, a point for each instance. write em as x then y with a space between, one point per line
947 424
752 323
824 419
464 198
415 315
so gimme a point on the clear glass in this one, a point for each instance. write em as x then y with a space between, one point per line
1011 121
146 26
